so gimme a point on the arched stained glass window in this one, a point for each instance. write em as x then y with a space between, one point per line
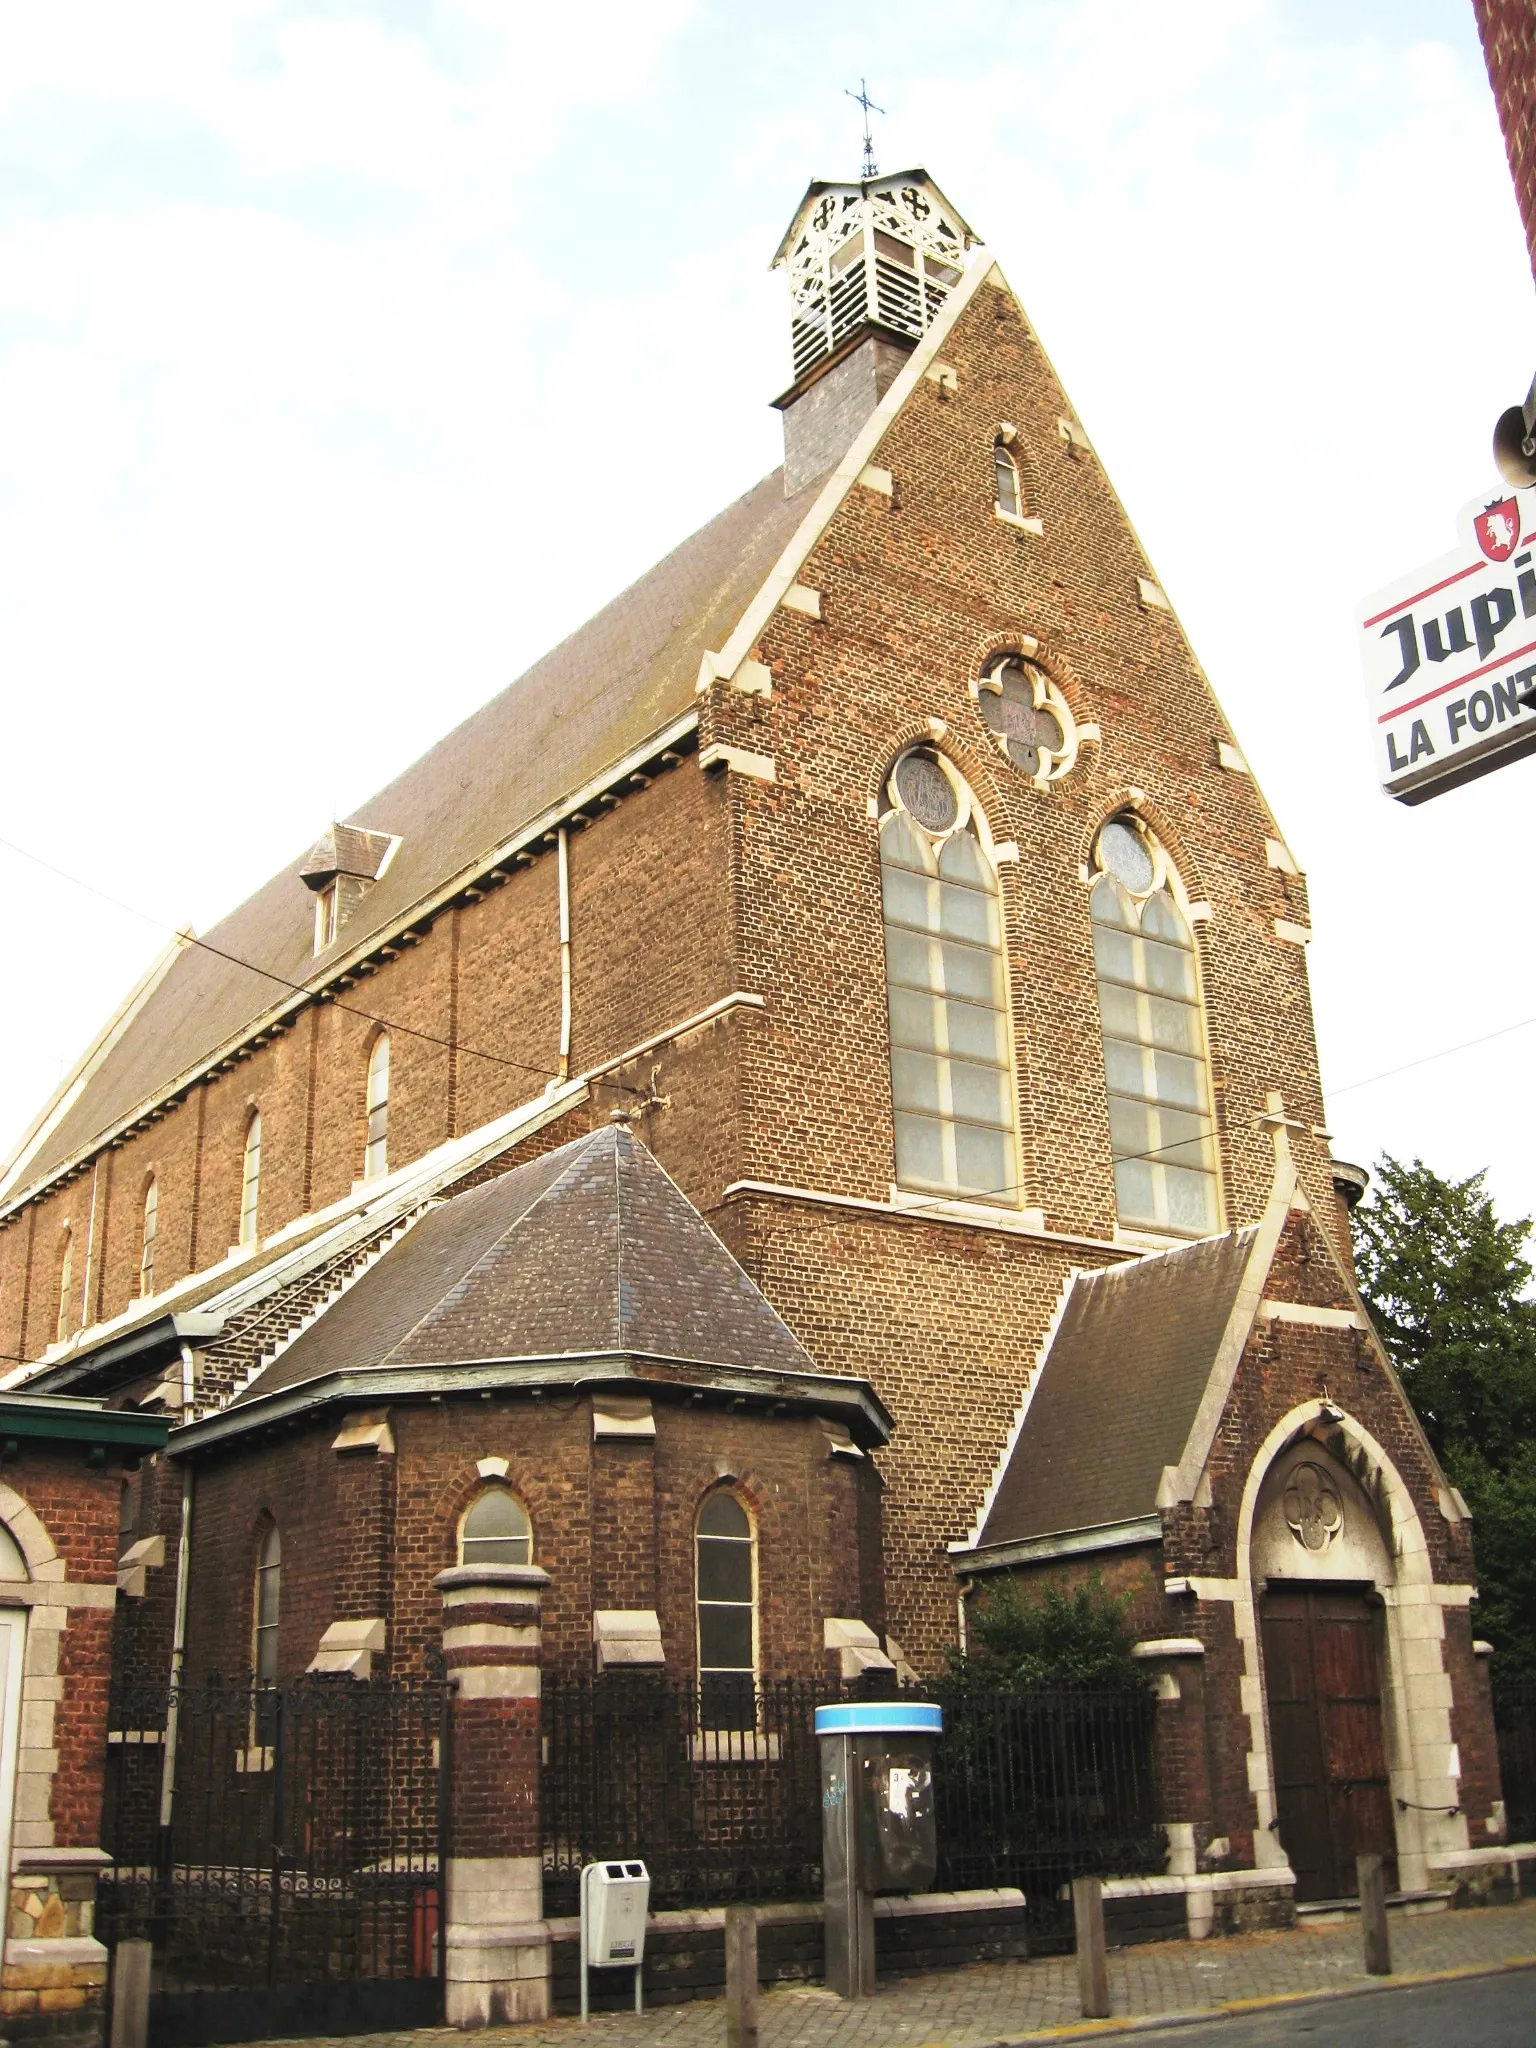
250 1179
66 1285
496 1530
726 1565
952 1081
1155 1066
151 1232
1010 498
376 1153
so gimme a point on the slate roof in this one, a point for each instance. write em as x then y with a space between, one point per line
623 677
1116 1396
591 1249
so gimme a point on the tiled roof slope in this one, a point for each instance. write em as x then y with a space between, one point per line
598 695
1118 1390
590 1249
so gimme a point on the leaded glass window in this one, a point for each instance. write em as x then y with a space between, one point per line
726 1565
151 1232
250 1179
951 1064
496 1530
1027 717
1155 1066
1010 499
66 1285
269 1587
376 1152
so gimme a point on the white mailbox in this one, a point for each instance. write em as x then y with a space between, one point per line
616 1898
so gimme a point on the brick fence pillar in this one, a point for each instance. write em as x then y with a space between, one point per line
497 1941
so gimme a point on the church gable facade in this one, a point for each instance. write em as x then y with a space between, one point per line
882 875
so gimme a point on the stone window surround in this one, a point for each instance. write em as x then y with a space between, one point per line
50 1594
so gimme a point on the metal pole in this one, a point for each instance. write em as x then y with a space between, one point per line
586 1873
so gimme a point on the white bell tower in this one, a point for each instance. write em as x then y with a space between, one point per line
884 253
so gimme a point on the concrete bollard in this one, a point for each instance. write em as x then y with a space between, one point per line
1092 1962
741 1977
130 1994
1373 1915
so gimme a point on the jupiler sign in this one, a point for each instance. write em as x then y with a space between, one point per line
1449 654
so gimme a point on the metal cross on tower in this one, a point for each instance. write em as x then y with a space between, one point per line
862 99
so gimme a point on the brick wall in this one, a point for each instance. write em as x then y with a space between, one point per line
1509 46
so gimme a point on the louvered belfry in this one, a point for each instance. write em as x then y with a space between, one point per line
887 253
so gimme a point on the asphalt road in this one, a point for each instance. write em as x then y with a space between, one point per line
1475 2012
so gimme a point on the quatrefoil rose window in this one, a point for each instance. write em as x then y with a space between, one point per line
1313 1508
1028 718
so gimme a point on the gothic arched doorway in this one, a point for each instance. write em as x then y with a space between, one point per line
1319 1562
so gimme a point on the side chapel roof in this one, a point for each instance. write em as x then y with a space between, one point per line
1115 1399
622 678
591 1250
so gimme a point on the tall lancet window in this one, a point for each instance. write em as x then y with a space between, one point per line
66 1284
151 1232
250 1179
1155 1064
1010 497
376 1108
951 1060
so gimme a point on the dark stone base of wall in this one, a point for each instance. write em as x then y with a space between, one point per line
83 2027
1160 1917
685 1952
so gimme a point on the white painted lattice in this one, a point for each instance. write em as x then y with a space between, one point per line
890 251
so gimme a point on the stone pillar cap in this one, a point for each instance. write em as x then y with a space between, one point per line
509 1576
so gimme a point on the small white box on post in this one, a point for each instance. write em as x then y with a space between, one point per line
615 1897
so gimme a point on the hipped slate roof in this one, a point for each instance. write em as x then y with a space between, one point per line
591 1249
622 678
1115 1399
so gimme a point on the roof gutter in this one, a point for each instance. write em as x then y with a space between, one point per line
869 1420
166 1337
968 1558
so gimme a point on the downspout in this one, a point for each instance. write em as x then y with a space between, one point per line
179 1632
564 865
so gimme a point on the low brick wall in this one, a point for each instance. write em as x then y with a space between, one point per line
1189 1907
685 1952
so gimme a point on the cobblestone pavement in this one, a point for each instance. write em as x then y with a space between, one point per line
989 2003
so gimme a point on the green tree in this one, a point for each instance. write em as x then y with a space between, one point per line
1446 1284
1063 1636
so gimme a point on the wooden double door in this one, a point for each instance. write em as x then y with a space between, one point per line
1322 1680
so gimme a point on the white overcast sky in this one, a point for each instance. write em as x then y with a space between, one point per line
351 354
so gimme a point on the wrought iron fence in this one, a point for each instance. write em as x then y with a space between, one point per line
1514 1719
1031 1789
297 1886
719 1812
1036 1788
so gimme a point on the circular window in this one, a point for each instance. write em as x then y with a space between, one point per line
1027 718
926 792
1124 853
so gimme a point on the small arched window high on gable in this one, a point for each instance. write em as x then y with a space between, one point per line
66 1284
250 1179
151 1232
952 1081
1156 1068
725 1549
376 1144
1010 491
496 1530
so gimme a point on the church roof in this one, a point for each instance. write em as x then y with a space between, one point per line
591 1250
1116 1397
622 679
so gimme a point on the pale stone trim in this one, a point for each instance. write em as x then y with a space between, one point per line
801 598
349 1647
32 1539
1231 758
946 377
622 1416
1016 1428
873 478
1278 855
498 1682
739 760
1025 522
752 679
627 1636
1316 1318
1293 934
1015 1223
1152 595
366 1431
55 1595
1169 1646
493 1635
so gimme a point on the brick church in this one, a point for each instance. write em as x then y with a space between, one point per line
804 1103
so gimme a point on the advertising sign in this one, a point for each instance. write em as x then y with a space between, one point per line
1449 653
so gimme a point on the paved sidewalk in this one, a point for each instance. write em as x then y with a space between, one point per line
989 2003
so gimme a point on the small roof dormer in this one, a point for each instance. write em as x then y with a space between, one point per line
340 868
882 253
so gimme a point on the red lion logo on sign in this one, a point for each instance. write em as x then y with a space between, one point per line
1498 529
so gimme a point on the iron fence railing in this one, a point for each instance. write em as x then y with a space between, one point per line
303 1851
1031 1789
1514 1720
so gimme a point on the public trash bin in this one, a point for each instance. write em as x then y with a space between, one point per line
615 1897
878 1831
